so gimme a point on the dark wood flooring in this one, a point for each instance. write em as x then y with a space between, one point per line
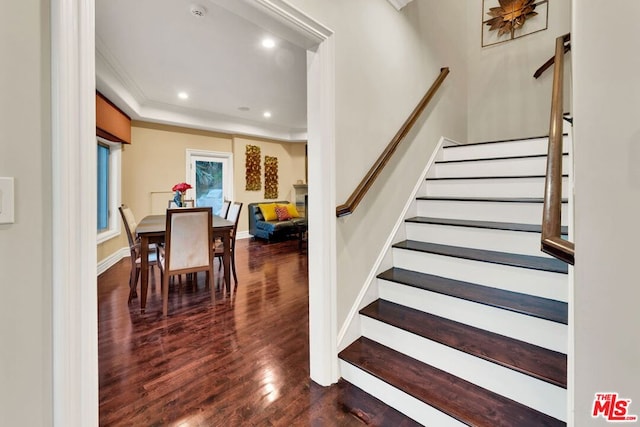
241 361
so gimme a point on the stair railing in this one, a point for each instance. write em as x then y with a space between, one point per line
358 194
567 47
551 240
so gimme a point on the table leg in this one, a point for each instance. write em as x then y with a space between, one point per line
144 271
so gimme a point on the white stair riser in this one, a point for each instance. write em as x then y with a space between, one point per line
525 213
479 238
401 401
503 167
523 280
487 187
540 332
537 394
502 149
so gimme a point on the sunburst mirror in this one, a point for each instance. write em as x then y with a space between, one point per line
505 20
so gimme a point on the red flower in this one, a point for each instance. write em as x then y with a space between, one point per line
181 187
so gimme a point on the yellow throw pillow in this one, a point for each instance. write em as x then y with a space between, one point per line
268 211
292 210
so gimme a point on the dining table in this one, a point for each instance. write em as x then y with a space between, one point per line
151 229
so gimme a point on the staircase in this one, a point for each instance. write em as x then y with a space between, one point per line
470 327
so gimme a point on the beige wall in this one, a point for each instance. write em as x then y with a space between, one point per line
384 62
291 168
152 164
156 160
505 101
25 246
607 205
111 246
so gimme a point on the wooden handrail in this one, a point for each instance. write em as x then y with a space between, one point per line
567 47
350 205
551 240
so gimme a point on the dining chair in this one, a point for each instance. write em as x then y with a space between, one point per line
188 247
188 203
233 215
224 209
130 225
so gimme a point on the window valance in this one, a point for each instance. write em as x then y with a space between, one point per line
111 122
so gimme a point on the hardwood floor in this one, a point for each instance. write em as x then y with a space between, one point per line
242 361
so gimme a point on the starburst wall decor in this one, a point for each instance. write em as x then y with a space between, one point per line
510 19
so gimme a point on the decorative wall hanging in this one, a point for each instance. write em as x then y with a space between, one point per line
510 19
252 167
270 177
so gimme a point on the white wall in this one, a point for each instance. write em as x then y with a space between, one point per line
385 62
606 85
505 101
25 254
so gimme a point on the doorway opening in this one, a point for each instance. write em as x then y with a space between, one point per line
74 331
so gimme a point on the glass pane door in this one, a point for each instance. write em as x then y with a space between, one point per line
209 175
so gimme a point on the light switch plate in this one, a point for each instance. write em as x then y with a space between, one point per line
6 201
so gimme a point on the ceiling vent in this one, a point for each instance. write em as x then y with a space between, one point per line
198 11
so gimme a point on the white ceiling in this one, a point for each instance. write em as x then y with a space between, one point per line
149 50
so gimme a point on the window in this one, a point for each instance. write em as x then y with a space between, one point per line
108 190
103 187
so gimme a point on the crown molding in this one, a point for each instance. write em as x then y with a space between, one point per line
115 85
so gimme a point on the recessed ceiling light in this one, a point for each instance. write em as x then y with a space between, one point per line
267 114
183 95
268 43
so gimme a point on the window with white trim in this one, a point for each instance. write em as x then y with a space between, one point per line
108 190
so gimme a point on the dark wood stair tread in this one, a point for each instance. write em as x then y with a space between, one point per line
480 159
542 308
454 396
492 225
537 362
488 199
503 258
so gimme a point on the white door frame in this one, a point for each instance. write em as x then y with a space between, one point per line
74 279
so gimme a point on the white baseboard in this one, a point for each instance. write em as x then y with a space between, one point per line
112 259
243 235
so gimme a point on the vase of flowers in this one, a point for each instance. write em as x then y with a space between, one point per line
180 189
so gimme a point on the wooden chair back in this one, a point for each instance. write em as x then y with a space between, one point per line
234 213
224 210
188 246
188 203
130 224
